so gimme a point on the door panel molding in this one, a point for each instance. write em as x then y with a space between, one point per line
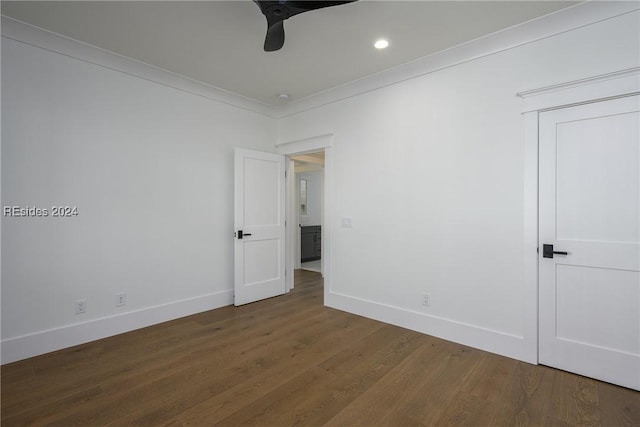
589 295
617 83
259 226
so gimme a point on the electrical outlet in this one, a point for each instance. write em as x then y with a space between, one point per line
121 299
81 306
426 299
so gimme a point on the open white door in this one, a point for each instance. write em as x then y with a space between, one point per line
589 240
259 222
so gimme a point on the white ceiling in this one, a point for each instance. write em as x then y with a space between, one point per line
220 42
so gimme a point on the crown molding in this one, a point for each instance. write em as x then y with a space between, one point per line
581 15
34 36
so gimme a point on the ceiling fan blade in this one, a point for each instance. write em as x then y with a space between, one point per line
275 36
277 12
312 5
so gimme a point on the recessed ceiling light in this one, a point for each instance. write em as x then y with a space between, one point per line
381 44
283 96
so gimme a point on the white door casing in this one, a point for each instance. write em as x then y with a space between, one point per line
589 197
302 146
259 212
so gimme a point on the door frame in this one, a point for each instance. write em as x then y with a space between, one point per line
593 89
294 148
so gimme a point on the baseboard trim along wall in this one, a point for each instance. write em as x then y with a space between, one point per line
493 341
25 346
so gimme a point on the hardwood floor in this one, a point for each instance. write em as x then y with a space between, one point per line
290 361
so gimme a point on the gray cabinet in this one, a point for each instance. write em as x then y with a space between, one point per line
310 244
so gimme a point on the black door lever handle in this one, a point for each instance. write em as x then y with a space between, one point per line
241 234
548 252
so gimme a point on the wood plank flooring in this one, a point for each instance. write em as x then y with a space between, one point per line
291 361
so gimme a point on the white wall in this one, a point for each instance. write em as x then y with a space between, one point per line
149 168
436 163
430 170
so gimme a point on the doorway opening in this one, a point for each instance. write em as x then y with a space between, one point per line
293 149
308 210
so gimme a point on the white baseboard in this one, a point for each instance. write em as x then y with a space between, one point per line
42 342
23 347
513 346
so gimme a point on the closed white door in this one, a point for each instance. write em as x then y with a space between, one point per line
259 252
589 321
